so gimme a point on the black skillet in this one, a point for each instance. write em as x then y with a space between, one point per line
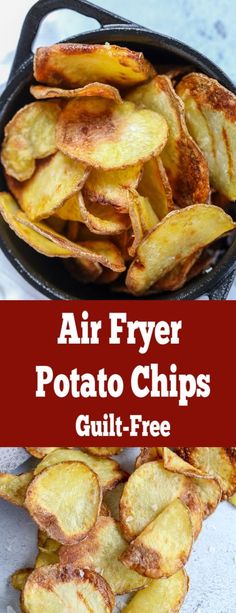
48 275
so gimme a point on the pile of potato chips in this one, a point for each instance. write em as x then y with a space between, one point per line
119 173
104 533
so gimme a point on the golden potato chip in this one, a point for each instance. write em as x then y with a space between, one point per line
112 500
143 219
232 499
102 218
155 186
210 111
107 135
13 487
184 162
101 551
104 452
65 501
161 595
56 179
19 578
108 471
50 588
76 65
177 277
70 210
111 186
83 270
148 491
29 136
169 243
164 545
220 462
92 89
40 452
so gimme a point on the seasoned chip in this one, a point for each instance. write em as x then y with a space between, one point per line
155 186
220 462
70 210
102 219
13 487
55 180
170 243
92 89
161 595
104 452
40 452
56 588
108 471
101 551
164 545
19 578
107 135
112 500
76 65
148 491
111 186
65 501
211 118
29 136
143 219
184 162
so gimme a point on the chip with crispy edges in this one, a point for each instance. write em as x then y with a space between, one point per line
155 186
40 452
143 219
103 452
112 186
161 595
102 219
219 462
70 210
13 488
92 89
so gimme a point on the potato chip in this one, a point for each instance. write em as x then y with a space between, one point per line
147 454
19 578
58 497
169 243
56 179
76 65
13 487
211 119
111 186
50 588
112 500
220 462
92 89
143 219
155 186
102 219
108 471
101 551
107 135
164 545
177 277
161 595
40 452
70 210
83 270
104 452
29 136
148 491
232 499
184 162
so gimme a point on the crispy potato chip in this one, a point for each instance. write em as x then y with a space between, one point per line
83 270
220 462
155 186
148 491
104 452
40 452
108 471
177 277
70 210
107 135
111 186
29 136
211 118
56 179
169 243
161 595
65 501
184 162
50 588
13 487
76 65
101 551
143 219
232 499
102 219
164 545
92 89
112 500
19 578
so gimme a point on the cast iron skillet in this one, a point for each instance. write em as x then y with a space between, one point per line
48 275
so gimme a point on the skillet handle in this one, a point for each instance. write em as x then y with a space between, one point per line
41 9
221 291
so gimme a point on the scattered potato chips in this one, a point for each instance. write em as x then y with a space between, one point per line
211 118
13 487
29 136
107 135
57 499
102 219
162 595
40 452
169 243
101 551
50 587
92 89
219 462
155 186
76 65
112 186
185 164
